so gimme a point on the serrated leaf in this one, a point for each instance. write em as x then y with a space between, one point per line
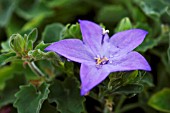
7 57
67 96
152 10
33 35
52 33
40 55
12 86
124 24
161 100
29 99
47 108
150 42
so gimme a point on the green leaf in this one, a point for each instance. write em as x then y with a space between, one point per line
130 77
161 100
67 96
124 24
152 7
129 89
6 10
52 32
41 46
7 94
7 57
40 55
147 44
47 108
29 45
29 99
69 68
147 80
151 42
5 46
33 35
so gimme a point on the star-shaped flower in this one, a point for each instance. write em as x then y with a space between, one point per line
100 55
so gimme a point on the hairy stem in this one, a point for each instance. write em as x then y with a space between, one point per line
108 105
119 105
35 69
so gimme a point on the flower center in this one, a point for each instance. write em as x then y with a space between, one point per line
101 61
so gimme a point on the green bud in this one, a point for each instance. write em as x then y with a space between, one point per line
17 43
124 24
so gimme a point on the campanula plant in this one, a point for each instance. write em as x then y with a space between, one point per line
100 55
115 59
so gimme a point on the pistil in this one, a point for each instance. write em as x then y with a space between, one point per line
103 34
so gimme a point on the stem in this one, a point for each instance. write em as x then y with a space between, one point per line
35 69
129 107
119 105
108 105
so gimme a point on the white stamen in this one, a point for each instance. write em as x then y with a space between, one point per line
105 31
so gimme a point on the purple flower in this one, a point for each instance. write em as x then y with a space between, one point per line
100 55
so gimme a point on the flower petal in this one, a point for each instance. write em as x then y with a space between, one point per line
128 40
73 49
132 61
91 76
92 35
